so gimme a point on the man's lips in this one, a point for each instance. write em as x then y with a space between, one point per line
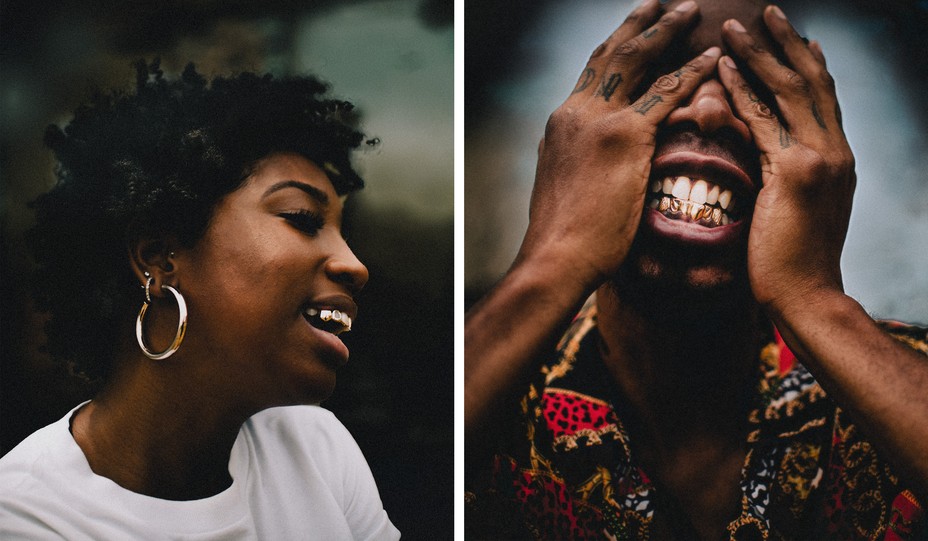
698 199
697 165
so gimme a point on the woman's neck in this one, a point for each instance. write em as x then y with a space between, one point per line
158 434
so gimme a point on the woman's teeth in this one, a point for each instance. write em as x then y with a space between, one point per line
692 200
333 321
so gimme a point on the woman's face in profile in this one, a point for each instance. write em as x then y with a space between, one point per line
271 267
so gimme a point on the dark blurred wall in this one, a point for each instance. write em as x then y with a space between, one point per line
522 59
394 60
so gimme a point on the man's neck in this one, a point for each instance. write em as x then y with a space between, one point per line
687 366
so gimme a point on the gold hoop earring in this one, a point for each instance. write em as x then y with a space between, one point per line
181 323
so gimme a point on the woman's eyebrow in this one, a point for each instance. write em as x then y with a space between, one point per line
313 192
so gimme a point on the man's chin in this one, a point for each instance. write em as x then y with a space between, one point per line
680 283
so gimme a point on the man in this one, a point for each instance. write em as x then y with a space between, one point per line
698 202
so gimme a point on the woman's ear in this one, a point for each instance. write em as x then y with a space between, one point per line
155 258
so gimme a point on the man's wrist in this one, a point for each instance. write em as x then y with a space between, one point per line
567 274
820 308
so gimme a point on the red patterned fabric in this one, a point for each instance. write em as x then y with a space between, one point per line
809 473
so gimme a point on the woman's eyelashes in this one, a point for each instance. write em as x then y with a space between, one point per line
307 221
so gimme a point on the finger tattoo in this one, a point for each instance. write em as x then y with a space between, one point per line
649 32
667 83
585 79
786 140
652 100
607 86
818 116
688 67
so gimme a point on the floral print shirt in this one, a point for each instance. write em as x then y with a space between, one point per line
808 473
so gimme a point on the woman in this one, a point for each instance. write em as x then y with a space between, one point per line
191 257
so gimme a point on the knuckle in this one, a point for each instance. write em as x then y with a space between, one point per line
598 51
830 171
696 65
796 83
671 18
630 48
761 110
666 84
826 79
564 119
636 15
756 48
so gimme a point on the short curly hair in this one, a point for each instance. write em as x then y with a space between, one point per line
152 164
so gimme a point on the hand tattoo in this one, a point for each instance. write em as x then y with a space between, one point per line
585 79
608 86
652 100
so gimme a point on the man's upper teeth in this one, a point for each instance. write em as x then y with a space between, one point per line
697 200
331 315
701 192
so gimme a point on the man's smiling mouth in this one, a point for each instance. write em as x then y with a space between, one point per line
693 200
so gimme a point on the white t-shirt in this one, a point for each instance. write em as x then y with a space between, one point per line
296 474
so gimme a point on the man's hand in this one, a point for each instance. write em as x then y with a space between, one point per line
590 186
794 248
595 158
802 211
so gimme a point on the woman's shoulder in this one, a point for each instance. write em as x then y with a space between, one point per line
36 481
314 421
313 429
48 444
305 442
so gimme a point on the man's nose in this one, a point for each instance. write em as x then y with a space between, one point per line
710 110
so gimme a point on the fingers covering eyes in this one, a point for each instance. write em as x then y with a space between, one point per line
671 89
617 66
804 90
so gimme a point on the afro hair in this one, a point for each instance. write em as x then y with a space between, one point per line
152 164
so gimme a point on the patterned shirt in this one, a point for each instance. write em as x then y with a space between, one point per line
808 473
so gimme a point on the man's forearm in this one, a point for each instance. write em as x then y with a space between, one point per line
881 382
507 331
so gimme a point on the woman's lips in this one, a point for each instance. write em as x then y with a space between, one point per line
330 343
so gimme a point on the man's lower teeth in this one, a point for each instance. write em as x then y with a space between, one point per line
705 215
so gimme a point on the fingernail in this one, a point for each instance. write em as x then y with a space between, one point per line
729 62
736 26
714 52
778 12
686 6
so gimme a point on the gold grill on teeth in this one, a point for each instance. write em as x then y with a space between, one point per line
693 200
332 315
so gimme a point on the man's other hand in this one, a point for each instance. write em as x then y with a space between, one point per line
801 215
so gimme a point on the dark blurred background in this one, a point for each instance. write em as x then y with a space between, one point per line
394 60
522 58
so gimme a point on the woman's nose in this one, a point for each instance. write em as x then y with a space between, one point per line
345 268
708 108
